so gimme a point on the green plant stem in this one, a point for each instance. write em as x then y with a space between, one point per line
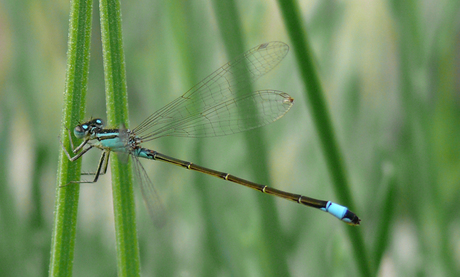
321 118
66 206
117 113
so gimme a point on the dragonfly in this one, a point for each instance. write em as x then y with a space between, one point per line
218 105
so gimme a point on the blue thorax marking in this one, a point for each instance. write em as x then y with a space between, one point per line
110 138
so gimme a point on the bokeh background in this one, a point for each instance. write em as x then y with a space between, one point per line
391 73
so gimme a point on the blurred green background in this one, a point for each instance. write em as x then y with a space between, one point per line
390 70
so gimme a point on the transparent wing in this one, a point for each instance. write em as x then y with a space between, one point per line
124 136
211 108
260 108
149 194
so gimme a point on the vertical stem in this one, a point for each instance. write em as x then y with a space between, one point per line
117 113
65 212
323 124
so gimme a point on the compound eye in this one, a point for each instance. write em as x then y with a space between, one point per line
81 130
99 122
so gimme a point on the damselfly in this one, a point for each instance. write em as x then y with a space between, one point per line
216 106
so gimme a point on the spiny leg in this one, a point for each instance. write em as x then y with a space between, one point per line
106 163
79 147
75 150
76 157
102 160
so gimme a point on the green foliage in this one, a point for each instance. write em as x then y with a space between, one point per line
386 74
